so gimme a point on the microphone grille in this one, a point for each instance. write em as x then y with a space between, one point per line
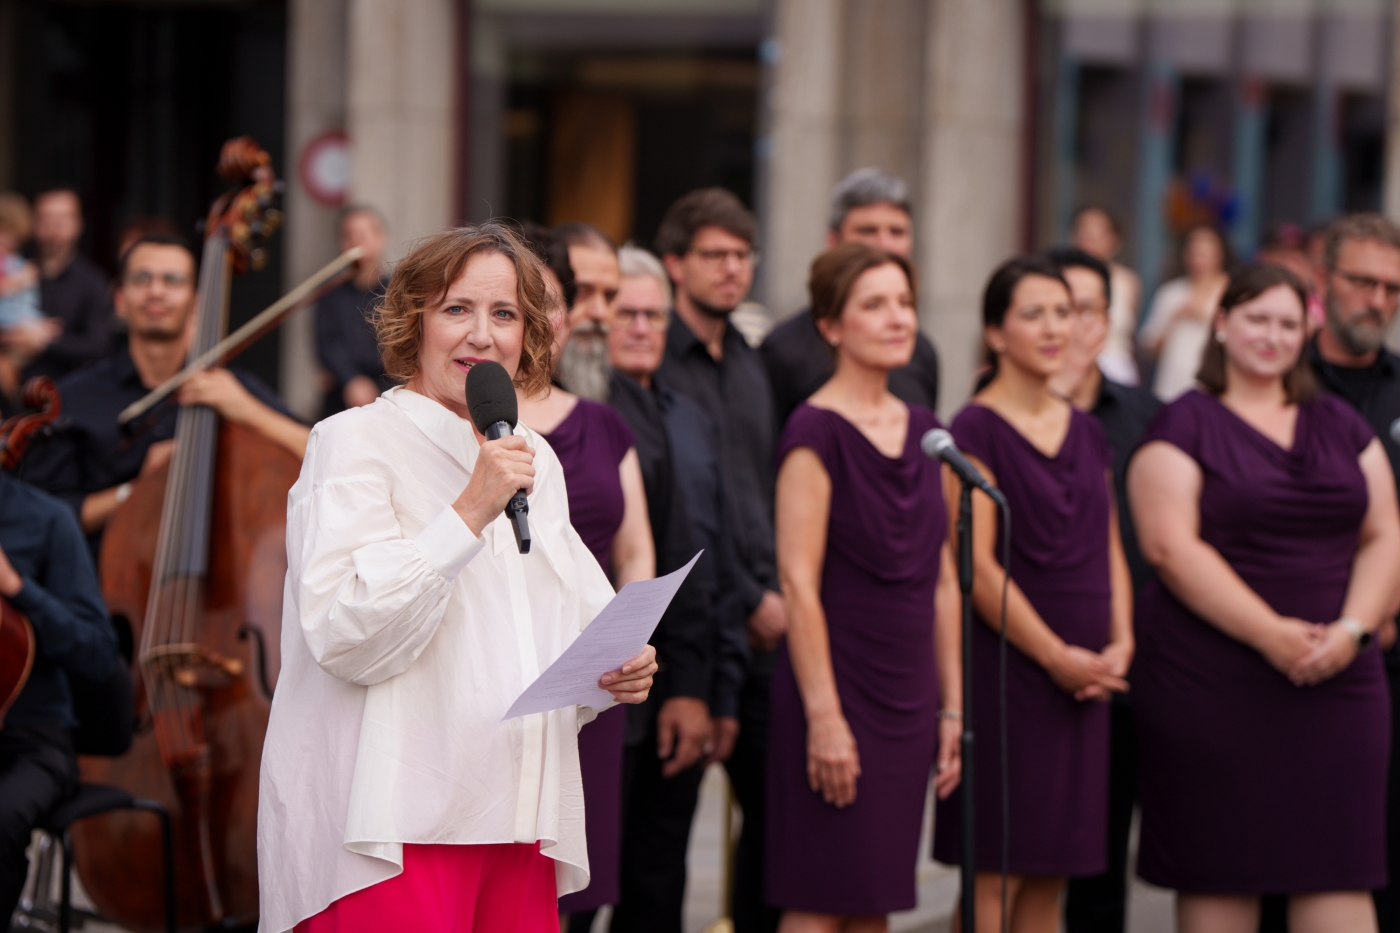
490 395
936 441
1395 430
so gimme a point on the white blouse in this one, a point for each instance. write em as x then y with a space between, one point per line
404 639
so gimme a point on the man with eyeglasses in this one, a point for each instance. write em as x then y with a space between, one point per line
1359 282
706 243
671 738
89 461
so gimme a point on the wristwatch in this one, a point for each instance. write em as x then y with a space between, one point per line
1357 631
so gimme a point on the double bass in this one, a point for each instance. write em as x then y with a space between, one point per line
194 562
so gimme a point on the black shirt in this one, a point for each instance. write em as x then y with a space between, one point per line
80 299
799 362
61 599
735 396
691 443
345 341
1124 412
87 451
684 639
1372 390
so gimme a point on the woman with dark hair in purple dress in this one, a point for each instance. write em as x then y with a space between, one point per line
1268 511
608 509
872 646
1068 612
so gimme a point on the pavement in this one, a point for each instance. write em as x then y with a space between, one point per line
1150 909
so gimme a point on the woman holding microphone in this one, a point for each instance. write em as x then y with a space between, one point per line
872 650
393 795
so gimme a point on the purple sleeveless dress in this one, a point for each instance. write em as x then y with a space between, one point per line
1248 784
590 444
1057 746
884 536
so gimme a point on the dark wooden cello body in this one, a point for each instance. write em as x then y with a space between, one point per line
194 560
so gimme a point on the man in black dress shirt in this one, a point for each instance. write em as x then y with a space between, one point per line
1099 904
867 206
345 341
45 573
89 461
667 751
706 241
1359 284
73 293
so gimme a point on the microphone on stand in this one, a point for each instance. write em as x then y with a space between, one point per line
938 444
494 410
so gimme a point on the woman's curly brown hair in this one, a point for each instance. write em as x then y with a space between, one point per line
421 279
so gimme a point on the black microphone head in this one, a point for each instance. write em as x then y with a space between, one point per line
491 395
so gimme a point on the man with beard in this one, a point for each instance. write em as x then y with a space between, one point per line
1359 282
583 364
706 242
90 462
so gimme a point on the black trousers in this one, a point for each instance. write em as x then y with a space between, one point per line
748 773
657 812
38 768
1100 904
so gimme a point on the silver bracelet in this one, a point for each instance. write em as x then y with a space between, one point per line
954 714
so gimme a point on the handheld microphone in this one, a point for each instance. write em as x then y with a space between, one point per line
492 405
1395 430
938 444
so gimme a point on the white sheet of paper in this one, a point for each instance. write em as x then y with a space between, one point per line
616 636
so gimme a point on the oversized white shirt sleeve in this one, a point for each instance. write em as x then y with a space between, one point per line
371 598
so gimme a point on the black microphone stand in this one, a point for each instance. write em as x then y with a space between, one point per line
968 870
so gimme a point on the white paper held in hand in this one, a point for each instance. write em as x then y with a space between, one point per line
617 635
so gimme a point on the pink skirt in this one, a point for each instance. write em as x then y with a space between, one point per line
452 889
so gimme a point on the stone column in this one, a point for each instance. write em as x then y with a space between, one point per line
316 37
969 207
803 153
402 63
1391 203
882 87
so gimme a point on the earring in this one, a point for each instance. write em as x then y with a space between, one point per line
1220 336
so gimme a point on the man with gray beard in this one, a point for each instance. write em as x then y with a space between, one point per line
1360 289
583 364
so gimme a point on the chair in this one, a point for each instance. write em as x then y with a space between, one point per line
92 800
103 709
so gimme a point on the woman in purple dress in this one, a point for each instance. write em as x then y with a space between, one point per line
1068 612
608 509
873 618
1269 513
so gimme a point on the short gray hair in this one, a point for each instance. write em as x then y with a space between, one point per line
633 260
864 187
1373 227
